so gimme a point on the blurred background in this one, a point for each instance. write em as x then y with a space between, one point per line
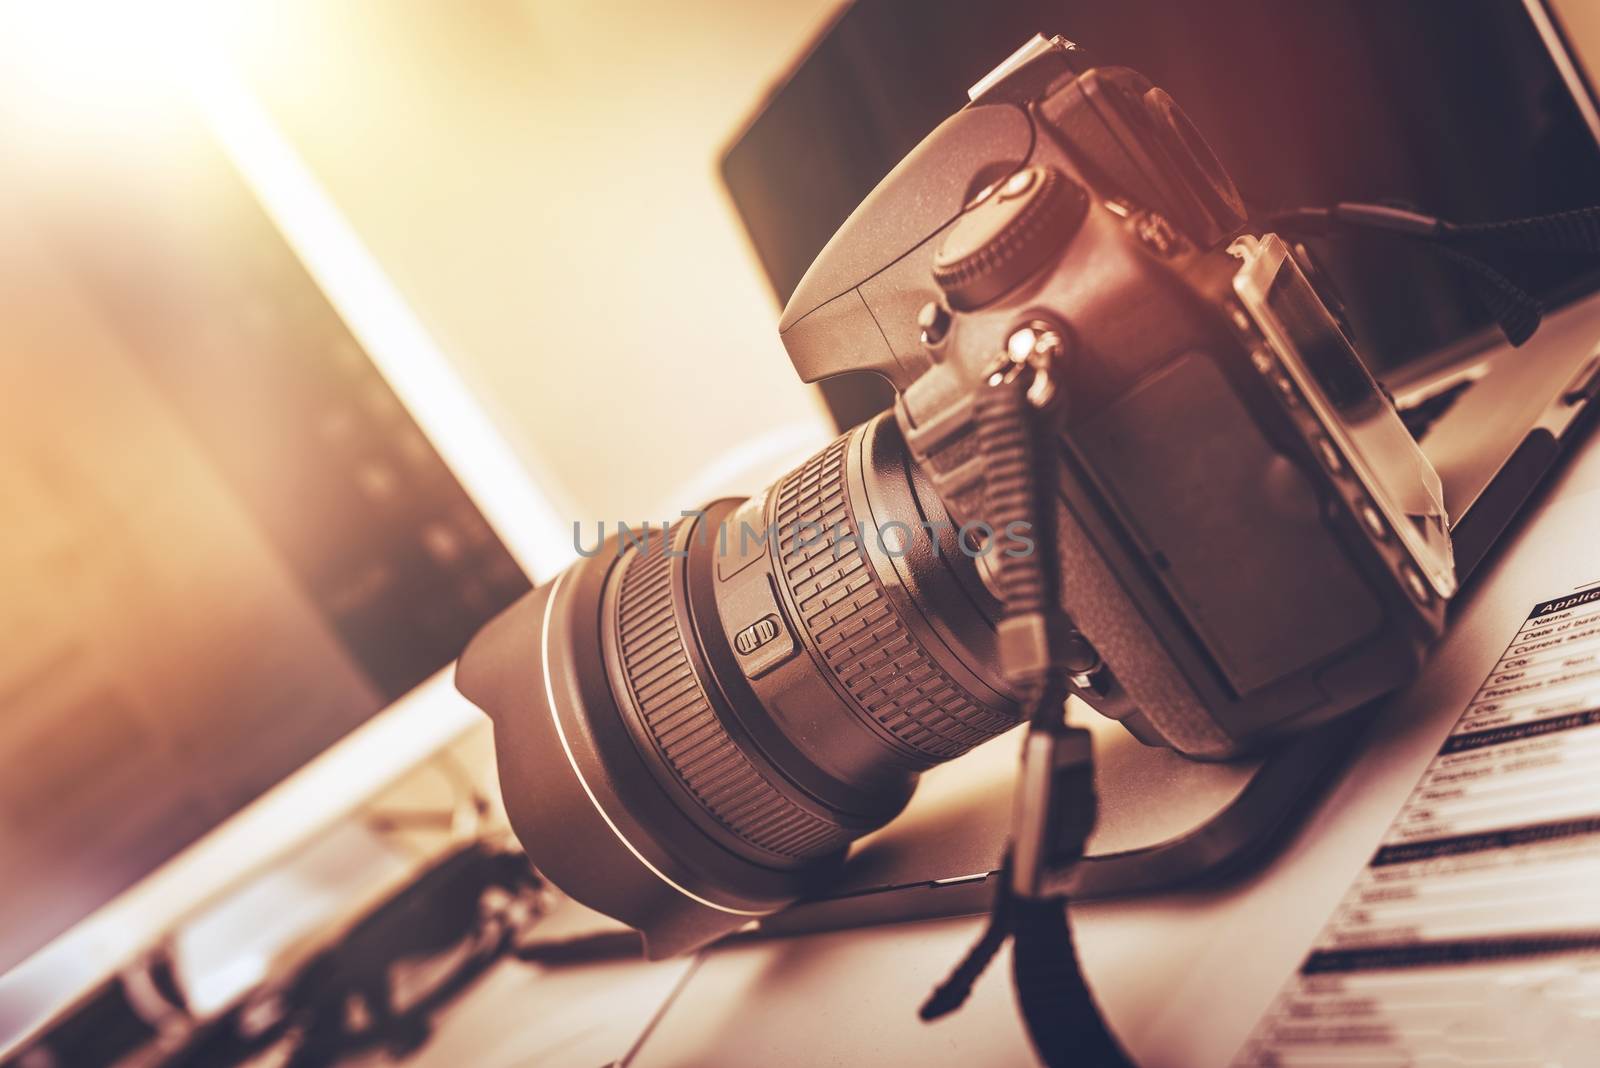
320 325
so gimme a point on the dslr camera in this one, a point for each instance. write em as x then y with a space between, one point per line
693 723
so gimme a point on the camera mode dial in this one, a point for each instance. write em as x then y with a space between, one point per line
1013 229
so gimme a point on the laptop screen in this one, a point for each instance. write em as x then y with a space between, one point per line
1455 108
227 544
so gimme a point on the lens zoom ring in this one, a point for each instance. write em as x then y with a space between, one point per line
688 733
855 626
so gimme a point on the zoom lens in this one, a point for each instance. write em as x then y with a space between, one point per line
692 724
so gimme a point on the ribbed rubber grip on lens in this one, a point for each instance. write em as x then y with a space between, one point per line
686 730
847 613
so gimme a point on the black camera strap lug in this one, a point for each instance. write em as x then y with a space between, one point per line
1054 803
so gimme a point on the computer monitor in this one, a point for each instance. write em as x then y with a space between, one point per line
1460 109
241 519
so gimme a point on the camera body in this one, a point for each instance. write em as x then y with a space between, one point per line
692 724
1248 538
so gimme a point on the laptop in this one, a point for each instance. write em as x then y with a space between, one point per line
252 516
1472 112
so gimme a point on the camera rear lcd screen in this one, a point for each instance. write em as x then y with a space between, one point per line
1360 419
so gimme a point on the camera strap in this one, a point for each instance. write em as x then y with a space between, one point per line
1055 800
1473 247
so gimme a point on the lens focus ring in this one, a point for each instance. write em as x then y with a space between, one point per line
687 733
854 625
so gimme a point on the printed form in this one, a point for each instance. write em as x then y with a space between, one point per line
1472 936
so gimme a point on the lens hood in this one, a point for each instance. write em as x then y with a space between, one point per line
593 818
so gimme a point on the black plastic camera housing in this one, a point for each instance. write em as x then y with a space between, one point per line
1221 547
